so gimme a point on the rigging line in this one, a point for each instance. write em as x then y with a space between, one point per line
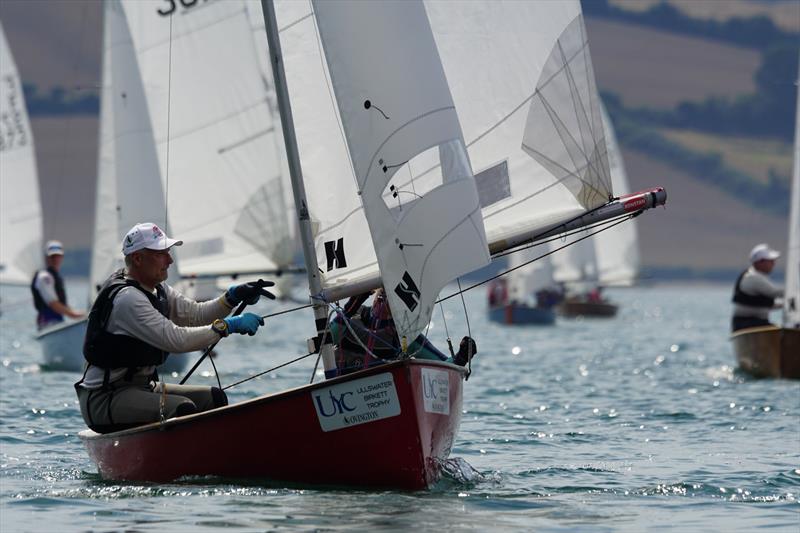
531 261
469 331
166 170
511 113
216 373
287 311
254 376
215 121
189 31
562 236
319 352
446 331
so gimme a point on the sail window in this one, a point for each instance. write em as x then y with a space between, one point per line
424 172
493 184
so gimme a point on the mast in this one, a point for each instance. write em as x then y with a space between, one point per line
298 188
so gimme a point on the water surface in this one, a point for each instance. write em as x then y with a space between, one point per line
625 424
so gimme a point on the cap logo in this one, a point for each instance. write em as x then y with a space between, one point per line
157 232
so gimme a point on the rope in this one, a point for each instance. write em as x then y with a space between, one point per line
469 331
287 311
268 371
447 332
626 217
337 310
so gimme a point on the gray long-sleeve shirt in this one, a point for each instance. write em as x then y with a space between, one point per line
756 283
186 330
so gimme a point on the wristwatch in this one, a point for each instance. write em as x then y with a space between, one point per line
221 327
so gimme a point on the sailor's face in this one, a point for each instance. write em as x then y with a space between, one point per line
765 265
155 265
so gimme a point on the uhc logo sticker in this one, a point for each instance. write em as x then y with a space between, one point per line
408 292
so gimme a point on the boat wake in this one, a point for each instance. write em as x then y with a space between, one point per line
459 472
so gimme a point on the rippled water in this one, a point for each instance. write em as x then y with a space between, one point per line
638 422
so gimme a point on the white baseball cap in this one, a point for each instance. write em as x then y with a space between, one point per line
147 235
763 251
53 248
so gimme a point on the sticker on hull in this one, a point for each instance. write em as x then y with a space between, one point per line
436 391
356 402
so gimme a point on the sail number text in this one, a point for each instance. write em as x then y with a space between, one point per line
172 6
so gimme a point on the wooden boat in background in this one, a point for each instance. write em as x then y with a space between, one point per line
773 351
574 307
768 351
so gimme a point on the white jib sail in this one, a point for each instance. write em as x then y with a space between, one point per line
20 208
522 81
617 248
212 106
129 187
791 302
398 116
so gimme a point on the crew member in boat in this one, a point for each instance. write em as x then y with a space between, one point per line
136 321
366 336
47 286
754 295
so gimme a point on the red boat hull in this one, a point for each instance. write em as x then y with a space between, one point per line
282 437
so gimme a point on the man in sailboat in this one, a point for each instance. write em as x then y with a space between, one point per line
47 286
754 294
366 335
136 320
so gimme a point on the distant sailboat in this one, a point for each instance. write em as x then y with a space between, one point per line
129 188
610 258
772 351
218 143
20 209
390 199
526 295
186 135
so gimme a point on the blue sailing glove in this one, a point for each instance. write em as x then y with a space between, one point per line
244 323
248 292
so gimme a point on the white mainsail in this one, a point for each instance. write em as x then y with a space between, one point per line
791 301
129 187
211 103
20 206
434 233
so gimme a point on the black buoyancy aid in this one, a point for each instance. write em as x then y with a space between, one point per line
750 300
38 301
109 350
